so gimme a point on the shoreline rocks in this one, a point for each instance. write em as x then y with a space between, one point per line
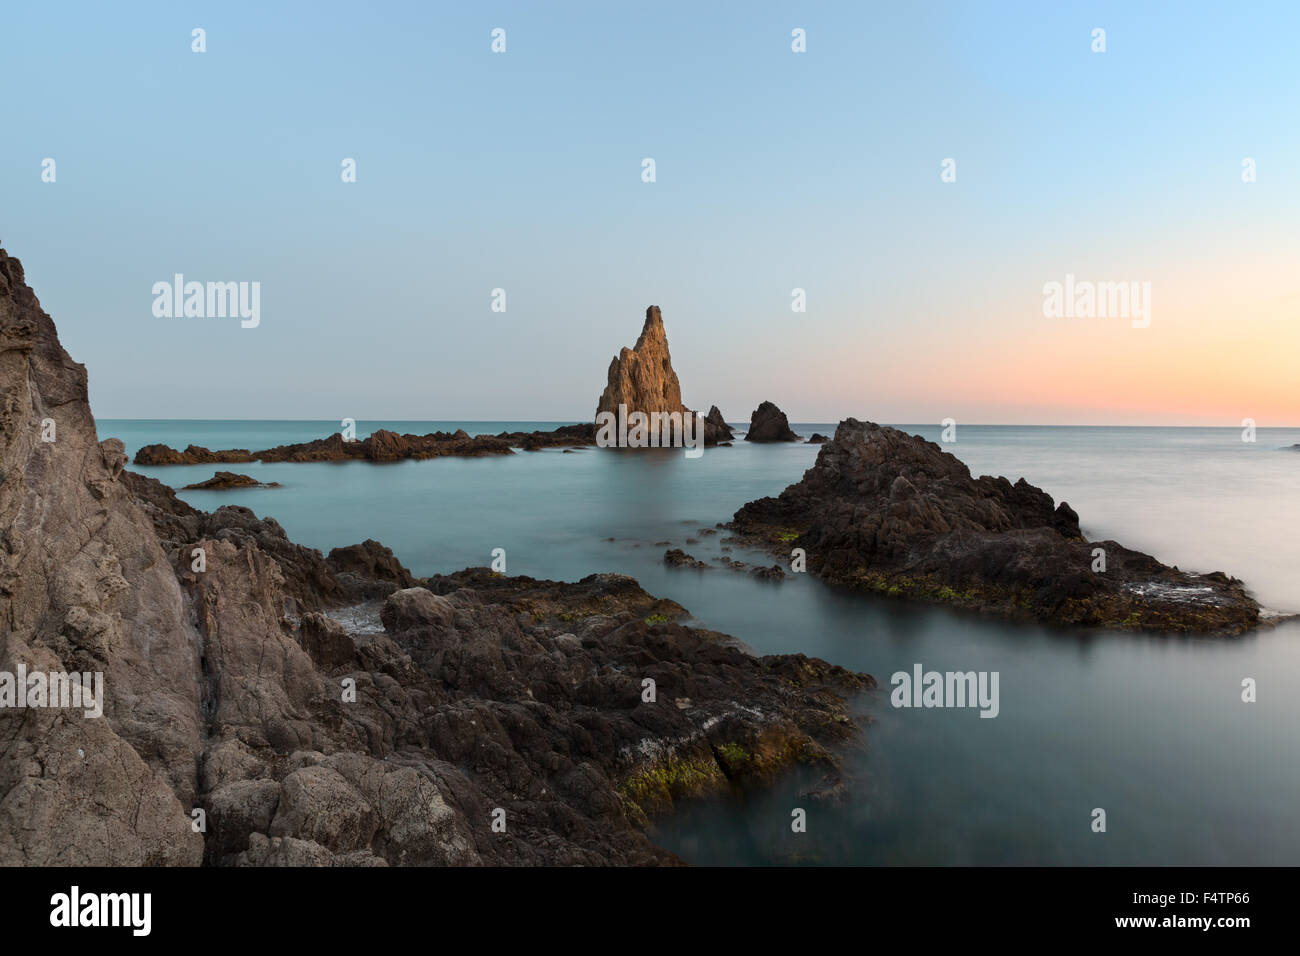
769 424
892 513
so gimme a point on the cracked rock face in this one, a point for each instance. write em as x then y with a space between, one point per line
250 717
889 512
83 589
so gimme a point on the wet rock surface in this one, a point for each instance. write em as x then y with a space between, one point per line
889 512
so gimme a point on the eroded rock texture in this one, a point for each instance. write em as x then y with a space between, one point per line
334 710
642 379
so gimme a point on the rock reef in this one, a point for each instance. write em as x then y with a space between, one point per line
380 445
892 513
336 710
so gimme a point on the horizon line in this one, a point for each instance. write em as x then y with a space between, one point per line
568 421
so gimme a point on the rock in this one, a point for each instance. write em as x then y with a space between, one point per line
773 573
192 455
370 561
85 586
817 438
678 558
642 379
768 424
716 429
223 480
893 513
381 445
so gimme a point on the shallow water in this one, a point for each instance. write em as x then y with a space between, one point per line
1151 729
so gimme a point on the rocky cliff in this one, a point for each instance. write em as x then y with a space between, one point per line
885 511
264 704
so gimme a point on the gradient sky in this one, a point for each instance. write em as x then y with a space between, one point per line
775 170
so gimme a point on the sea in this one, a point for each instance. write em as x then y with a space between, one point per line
1151 730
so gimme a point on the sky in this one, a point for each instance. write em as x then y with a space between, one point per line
774 170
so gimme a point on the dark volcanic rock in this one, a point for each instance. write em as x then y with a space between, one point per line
566 436
384 445
817 439
223 480
890 512
232 683
380 446
768 423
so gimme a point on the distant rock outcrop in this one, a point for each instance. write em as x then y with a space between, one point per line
716 429
379 446
768 423
889 512
817 438
642 380
225 480
192 455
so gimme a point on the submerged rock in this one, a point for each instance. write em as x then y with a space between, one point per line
678 558
768 423
889 512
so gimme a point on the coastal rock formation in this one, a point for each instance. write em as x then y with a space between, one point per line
642 380
716 429
240 679
381 445
885 511
817 438
768 423
642 377
192 455
224 480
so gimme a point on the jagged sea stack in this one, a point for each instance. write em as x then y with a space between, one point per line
642 380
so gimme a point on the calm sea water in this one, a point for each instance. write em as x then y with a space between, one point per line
1151 729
